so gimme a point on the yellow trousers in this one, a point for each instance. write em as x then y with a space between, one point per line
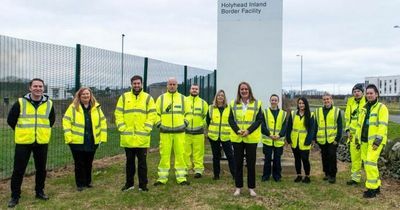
194 149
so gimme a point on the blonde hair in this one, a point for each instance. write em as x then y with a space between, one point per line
215 104
77 98
239 97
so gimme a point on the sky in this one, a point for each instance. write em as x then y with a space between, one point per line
341 41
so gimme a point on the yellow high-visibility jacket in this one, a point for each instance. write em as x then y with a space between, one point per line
196 115
244 120
135 117
171 109
327 130
378 123
219 125
274 127
352 112
299 132
33 124
74 124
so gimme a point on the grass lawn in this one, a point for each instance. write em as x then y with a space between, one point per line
203 193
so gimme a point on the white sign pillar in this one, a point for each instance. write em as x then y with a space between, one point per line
250 47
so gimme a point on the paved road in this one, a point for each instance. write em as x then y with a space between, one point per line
394 118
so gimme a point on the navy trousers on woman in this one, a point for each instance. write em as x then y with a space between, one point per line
83 167
216 151
272 154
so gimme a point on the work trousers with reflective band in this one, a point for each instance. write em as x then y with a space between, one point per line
169 141
194 146
370 159
355 155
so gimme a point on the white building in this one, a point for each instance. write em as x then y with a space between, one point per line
388 85
58 93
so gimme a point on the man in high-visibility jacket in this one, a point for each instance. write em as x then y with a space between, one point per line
135 116
194 138
171 109
353 107
371 134
31 117
328 134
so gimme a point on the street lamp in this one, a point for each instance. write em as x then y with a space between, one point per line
122 64
396 26
301 74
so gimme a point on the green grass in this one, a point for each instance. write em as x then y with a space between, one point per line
203 193
59 153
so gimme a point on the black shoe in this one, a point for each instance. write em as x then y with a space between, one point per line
126 188
326 178
80 189
216 178
42 196
298 179
144 189
370 193
13 202
264 179
332 180
197 175
89 186
184 183
352 182
277 180
158 183
306 180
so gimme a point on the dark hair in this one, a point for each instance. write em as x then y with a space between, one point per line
307 113
238 97
35 79
195 84
372 86
273 96
137 77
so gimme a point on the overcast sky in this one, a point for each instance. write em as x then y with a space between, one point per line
342 41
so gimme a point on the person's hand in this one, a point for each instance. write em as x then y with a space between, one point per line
245 133
374 147
349 136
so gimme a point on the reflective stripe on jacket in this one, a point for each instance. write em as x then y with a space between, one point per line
244 120
219 124
327 128
274 127
352 112
299 132
196 114
171 110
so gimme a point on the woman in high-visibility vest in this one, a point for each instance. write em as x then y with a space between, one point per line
245 118
85 128
300 132
218 133
371 135
273 130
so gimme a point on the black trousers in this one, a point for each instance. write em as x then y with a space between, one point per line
21 159
216 151
251 154
276 152
141 154
328 156
299 157
83 167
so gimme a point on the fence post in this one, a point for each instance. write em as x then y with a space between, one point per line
185 80
209 92
146 64
215 81
78 68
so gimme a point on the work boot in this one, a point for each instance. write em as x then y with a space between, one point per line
298 178
42 196
197 175
158 183
184 183
306 179
370 193
352 182
13 202
332 180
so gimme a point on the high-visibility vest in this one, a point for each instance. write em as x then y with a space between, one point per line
274 127
244 120
74 124
135 117
171 110
299 132
327 128
33 124
352 112
219 124
377 123
196 114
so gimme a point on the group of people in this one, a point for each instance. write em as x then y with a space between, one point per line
185 122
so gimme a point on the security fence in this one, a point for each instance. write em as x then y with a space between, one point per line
64 70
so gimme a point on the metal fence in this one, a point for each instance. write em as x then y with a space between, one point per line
64 70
